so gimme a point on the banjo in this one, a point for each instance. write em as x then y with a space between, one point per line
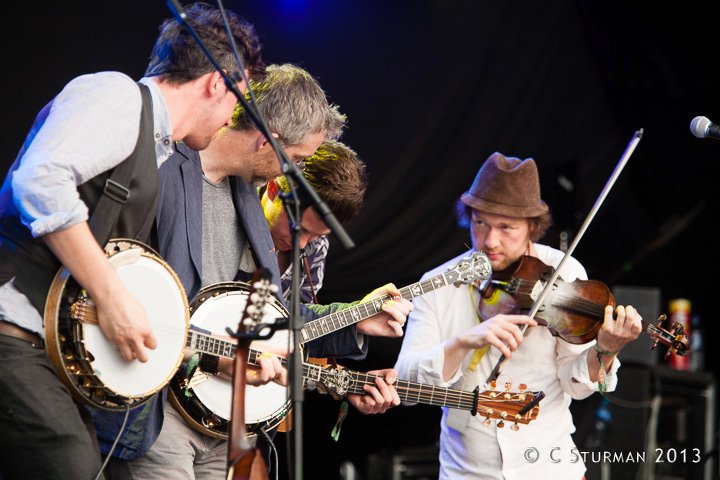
86 362
204 400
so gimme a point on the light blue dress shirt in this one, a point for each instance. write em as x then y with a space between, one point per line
92 126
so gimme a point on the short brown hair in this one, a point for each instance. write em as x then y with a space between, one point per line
339 178
179 59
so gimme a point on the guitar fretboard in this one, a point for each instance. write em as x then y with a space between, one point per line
407 391
329 323
473 268
344 318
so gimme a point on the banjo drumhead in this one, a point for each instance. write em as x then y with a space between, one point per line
156 288
214 314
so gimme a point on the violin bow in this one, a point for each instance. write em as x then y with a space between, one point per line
581 231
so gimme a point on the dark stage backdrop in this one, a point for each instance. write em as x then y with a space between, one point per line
431 88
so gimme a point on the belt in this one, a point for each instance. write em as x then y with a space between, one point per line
11 330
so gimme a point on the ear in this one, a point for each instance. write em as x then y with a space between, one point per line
261 141
215 83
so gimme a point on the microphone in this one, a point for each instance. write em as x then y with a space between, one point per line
702 127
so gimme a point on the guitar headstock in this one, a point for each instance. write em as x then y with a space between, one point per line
674 337
509 406
472 269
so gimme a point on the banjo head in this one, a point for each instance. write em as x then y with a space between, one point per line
214 309
88 363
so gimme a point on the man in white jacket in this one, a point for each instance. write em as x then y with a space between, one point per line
449 344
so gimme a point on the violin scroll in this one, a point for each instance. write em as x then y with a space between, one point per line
674 337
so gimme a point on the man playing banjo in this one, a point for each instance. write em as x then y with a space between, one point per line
209 201
97 123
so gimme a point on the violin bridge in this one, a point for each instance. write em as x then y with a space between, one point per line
537 290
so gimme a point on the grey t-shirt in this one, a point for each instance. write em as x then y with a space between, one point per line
223 238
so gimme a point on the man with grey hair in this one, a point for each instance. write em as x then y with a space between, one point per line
211 228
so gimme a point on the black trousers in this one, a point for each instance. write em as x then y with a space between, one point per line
44 434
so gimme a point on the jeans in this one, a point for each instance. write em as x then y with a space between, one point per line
45 434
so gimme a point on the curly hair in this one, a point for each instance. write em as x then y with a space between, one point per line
293 104
339 178
179 59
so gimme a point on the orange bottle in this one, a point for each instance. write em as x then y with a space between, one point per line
679 309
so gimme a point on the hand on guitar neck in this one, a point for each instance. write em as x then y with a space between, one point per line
389 322
378 398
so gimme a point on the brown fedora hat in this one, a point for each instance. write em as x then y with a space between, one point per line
506 186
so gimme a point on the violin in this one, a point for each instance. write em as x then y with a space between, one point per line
573 311
588 330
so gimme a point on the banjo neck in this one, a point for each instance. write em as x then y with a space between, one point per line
206 343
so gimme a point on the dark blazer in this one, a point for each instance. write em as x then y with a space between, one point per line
179 219
179 242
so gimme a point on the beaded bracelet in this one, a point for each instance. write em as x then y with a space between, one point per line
601 373
209 363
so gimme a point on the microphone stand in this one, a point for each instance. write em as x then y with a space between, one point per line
295 177
293 207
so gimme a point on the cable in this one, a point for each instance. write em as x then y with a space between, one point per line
112 448
274 455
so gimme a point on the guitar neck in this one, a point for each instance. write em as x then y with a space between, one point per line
343 382
407 391
344 318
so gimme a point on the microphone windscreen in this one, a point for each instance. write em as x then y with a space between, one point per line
699 126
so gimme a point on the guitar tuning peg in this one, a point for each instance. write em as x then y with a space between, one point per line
493 384
500 424
508 386
514 427
522 387
486 422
